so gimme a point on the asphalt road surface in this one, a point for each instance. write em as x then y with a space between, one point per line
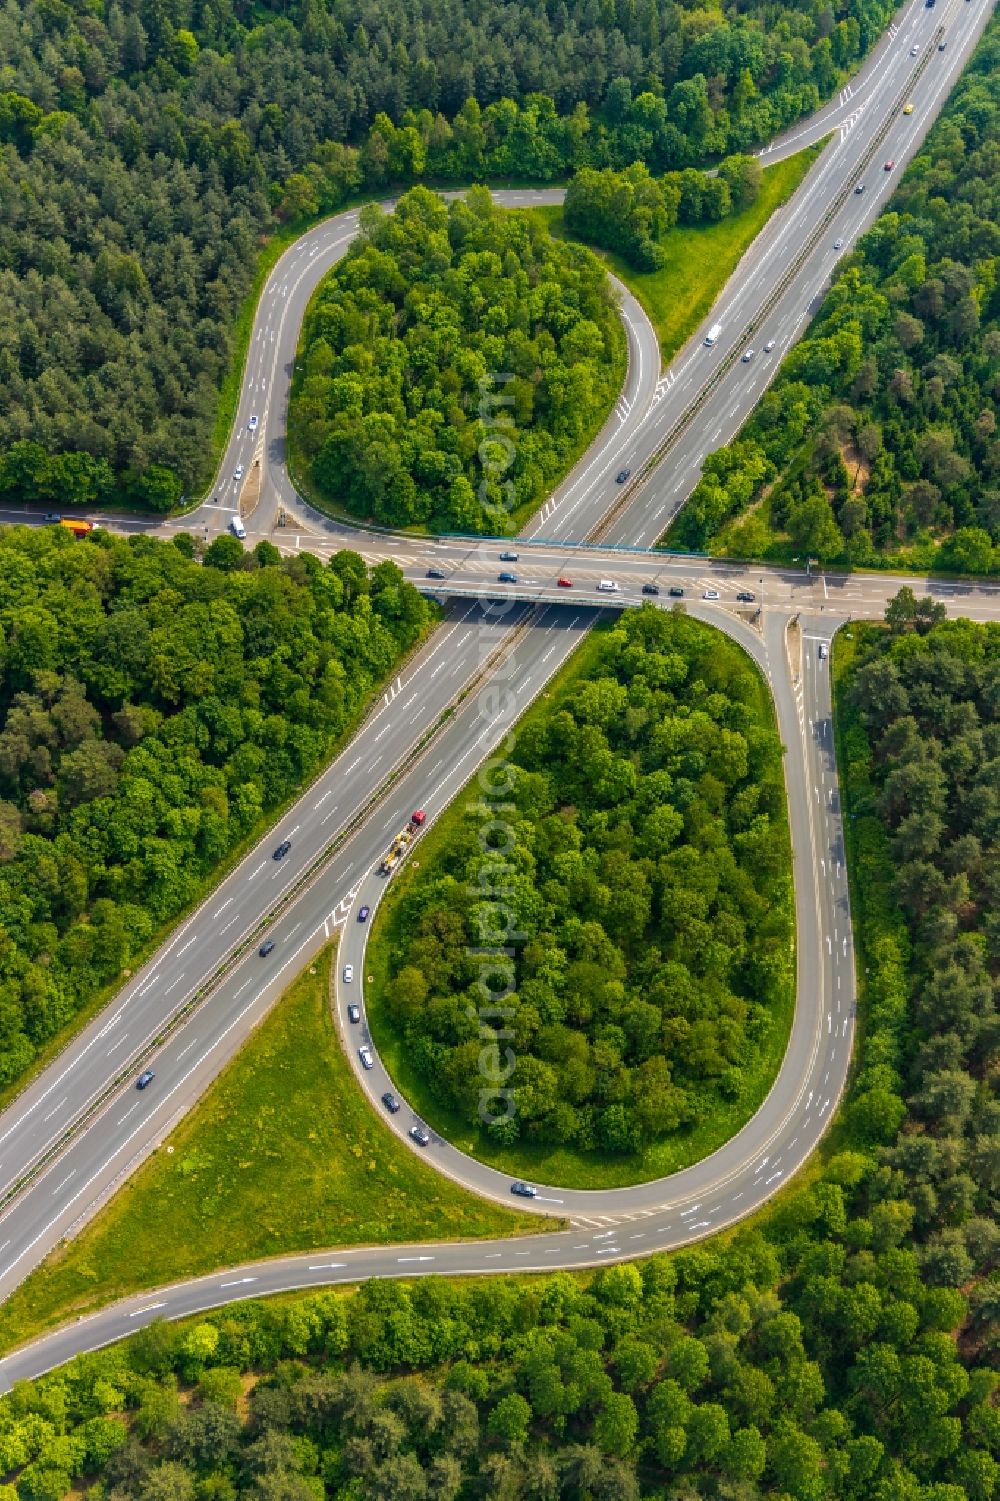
81 1127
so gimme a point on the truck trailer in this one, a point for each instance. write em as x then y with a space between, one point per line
402 842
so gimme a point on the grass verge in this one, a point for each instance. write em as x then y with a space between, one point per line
562 1165
700 259
283 1154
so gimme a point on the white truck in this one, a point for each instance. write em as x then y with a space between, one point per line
713 334
237 528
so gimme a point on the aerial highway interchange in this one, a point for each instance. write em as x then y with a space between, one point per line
79 1128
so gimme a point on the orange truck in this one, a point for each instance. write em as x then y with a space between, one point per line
78 526
402 842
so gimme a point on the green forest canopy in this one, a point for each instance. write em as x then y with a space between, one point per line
152 710
650 888
843 1348
148 146
879 438
454 363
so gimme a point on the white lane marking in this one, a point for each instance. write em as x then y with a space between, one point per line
64 1181
190 1045
127 1113
174 984
257 872
56 1108
111 1049
238 1282
187 946
414 1258
222 908
327 1266
149 1308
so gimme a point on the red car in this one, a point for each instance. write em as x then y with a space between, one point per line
889 165
565 583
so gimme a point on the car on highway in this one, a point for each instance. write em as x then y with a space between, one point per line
363 914
889 165
238 472
675 591
348 973
769 346
622 476
711 594
907 109
524 1190
746 596
822 650
607 586
390 1102
838 243
419 1135
365 1054
252 424
650 589
146 1077
52 516
747 356
942 46
914 50
282 850
860 188
508 557
506 578
266 947
354 1013
436 573
564 583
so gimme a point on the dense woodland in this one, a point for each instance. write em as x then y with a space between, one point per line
453 364
650 889
878 443
148 146
843 1348
153 708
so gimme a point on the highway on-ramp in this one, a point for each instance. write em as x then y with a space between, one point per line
430 732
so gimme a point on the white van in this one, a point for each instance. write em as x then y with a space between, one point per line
608 586
237 528
713 334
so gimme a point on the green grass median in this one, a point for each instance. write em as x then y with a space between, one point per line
700 259
283 1154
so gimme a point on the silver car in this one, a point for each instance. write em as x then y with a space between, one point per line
365 1054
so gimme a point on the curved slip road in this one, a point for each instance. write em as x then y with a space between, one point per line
782 265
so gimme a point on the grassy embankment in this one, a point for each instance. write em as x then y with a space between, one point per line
699 259
564 1165
282 1154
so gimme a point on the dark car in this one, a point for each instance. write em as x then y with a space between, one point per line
650 589
942 46
860 188
675 591
436 573
146 1077
508 557
282 850
52 516
390 1102
524 1190
266 947
622 476
506 578
363 914
420 1136
354 1013
745 596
